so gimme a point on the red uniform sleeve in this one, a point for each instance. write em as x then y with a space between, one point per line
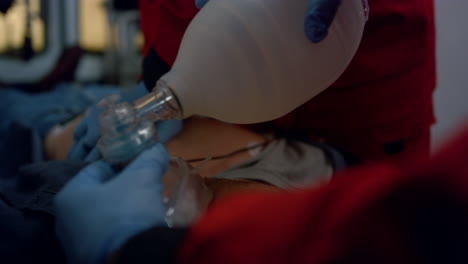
374 214
163 23
384 97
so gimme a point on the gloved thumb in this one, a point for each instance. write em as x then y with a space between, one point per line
78 151
93 155
320 15
91 176
149 167
80 130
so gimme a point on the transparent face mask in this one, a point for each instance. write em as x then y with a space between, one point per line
185 194
125 134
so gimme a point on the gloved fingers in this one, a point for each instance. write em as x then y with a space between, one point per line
80 130
93 156
167 129
319 16
148 167
86 135
200 3
91 176
78 151
91 138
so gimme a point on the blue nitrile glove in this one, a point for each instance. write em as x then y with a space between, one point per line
87 133
85 137
97 212
318 18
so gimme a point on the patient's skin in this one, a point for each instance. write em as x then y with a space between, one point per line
200 138
206 137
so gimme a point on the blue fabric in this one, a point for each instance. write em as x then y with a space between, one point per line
27 225
35 185
27 237
44 110
16 143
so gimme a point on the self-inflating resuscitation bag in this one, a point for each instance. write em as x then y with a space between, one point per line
249 61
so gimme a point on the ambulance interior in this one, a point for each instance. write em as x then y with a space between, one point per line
86 49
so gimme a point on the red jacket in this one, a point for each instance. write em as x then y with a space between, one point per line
381 105
163 23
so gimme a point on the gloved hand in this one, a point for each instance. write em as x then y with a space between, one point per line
318 18
85 137
87 133
97 212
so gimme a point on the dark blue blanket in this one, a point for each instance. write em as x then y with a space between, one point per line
26 212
